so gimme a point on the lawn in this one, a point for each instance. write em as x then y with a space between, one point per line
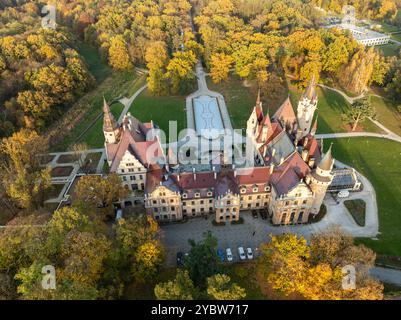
161 110
118 84
357 209
389 50
380 161
98 68
239 99
94 137
396 36
387 114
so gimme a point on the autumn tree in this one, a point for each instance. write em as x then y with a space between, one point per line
24 179
181 288
359 111
219 287
118 54
156 61
220 65
100 192
180 70
148 260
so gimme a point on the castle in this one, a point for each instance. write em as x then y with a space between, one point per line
289 178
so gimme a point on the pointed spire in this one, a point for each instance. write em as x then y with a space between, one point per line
310 92
327 162
314 127
109 122
258 101
258 107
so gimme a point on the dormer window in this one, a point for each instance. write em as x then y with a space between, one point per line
197 195
243 190
184 195
267 188
209 194
255 189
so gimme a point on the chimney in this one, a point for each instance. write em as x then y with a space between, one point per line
273 152
271 168
311 162
235 173
281 160
305 154
193 170
215 173
178 177
265 151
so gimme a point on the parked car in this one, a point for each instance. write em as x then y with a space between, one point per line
241 253
249 253
343 194
254 214
180 259
220 254
229 254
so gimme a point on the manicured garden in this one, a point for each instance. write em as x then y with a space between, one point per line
357 209
387 114
380 161
161 110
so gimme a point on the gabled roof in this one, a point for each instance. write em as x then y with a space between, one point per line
285 112
289 174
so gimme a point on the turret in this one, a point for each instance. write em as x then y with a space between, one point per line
320 179
255 118
306 109
110 127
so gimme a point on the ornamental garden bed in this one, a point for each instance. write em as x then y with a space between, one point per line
61 171
357 209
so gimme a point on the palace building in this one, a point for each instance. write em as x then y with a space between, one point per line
289 178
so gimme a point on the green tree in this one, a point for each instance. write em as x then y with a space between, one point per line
181 288
219 287
359 111
202 261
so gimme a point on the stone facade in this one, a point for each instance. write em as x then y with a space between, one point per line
289 178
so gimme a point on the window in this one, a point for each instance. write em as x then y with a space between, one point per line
172 208
155 210
171 200
134 186
132 178
184 211
258 197
157 217
163 200
140 176
243 190
255 189
184 195
228 202
193 203
267 189
184 203
154 202
304 202
210 209
209 194
210 201
193 210
287 203
202 202
197 195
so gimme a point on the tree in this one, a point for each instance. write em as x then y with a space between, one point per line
220 65
118 54
100 192
359 111
180 70
24 179
156 61
181 288
202 260
148 259
219 287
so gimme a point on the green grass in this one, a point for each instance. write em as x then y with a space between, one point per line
98 68
389 50
161 110
380 161
239 99
387 114
94 137
116 85
357 209
396 36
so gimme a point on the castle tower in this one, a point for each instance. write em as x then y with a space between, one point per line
111 130
320 179
306 109
255 118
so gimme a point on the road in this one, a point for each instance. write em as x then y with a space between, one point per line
386 275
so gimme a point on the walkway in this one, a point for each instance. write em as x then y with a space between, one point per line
127 102
391 136
387 275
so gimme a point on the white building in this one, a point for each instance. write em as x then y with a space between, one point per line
364 36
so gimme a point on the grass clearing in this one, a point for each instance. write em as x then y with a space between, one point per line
379 160
98 68
387 113
390 50
357 209
161 110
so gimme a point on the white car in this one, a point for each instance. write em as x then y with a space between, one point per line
241 253
249 253
229 254
343 194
